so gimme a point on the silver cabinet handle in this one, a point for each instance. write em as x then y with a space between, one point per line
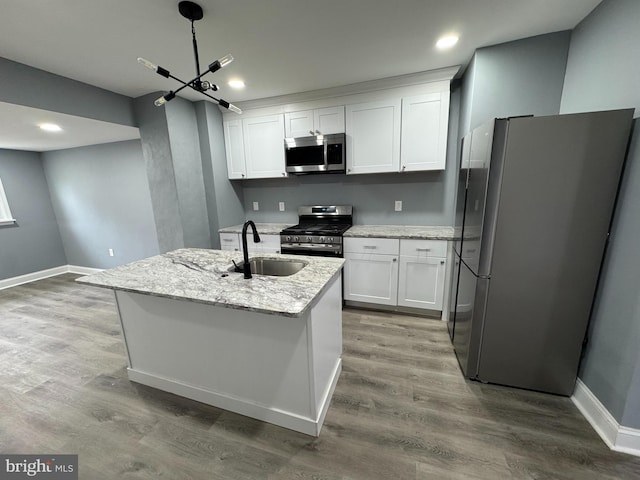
471 250
243 175
227 240
284 174
395 259
370 247
404 167
441 262
423 249
318 132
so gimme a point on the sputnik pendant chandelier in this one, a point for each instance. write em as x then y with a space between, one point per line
193 11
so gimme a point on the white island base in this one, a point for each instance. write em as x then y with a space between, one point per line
279 369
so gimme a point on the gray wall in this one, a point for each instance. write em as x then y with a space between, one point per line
156 148
516 78
187 167
34 243
372 196
101 199
24 85
224 198
603 72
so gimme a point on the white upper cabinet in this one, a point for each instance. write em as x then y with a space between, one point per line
312 122
234 148
425 120
373 136
329 120
255 148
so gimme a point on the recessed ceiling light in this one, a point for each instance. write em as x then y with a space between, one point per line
50 127
236 84
447 41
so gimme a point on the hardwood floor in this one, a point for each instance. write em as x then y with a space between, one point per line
401 409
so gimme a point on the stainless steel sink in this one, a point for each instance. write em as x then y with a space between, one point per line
272 266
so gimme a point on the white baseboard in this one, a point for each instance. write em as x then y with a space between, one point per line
619 438
83 270
242 406
42 274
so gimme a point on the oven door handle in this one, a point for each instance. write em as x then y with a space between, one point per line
306 246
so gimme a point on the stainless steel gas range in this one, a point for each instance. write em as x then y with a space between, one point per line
319 231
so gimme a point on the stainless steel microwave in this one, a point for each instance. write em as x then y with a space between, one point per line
315 154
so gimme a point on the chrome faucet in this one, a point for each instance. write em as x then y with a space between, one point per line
256 238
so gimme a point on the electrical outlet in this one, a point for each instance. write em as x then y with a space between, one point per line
398 206
111 252
256 207
281 206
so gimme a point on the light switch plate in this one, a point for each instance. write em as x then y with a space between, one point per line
398 207
281 206
256 207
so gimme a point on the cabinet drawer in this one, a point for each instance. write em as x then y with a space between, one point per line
381 246
270 243
423 248
229 241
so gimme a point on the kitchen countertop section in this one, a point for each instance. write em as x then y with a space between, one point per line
401 231
202 276
263 228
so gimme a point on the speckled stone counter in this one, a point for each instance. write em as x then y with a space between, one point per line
202 276
263 228
401 231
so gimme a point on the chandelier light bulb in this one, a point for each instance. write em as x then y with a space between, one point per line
148 64
226 60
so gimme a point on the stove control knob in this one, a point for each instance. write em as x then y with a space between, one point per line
329 239
296 239
288 238
321 239
308 239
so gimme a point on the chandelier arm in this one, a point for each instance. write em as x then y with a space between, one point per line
223 103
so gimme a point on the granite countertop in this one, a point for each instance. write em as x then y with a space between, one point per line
263 228
401 231
373 231
202 276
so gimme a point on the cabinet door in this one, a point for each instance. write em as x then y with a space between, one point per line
425 120
234 149
421 282
329 120
298 124
373 137
264 146
371 278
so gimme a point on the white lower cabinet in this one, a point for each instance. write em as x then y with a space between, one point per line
371 270
371 278
233 241
230 241
407 273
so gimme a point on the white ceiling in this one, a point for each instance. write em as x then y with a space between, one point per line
280 46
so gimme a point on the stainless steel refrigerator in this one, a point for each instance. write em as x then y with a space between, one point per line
533 211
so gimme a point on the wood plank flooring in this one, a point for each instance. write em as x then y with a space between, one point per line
401 409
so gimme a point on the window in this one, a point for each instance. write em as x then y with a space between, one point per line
5 213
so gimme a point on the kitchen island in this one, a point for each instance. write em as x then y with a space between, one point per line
267 347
